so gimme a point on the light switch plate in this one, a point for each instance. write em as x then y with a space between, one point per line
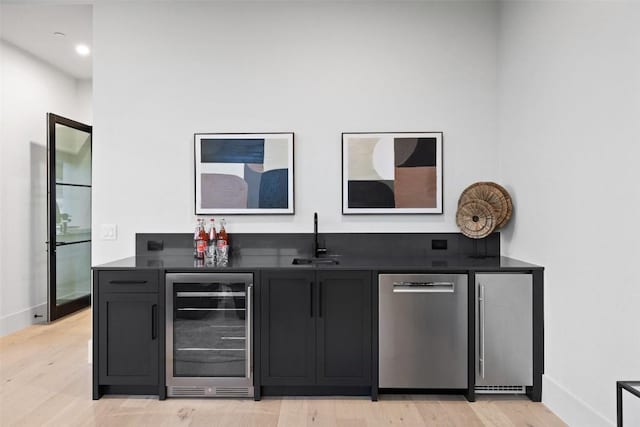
109 231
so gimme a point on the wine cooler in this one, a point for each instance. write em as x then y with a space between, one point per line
209 324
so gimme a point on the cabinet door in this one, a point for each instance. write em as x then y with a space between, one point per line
344 328
128 339
287 328
504 339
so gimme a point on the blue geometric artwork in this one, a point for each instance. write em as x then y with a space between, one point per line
244 173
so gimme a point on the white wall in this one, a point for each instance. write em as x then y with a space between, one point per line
569 120
164 71
84 100
30 88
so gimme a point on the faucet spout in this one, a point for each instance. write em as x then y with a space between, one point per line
317 250
315 225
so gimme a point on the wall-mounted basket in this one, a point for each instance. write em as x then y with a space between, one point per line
482 208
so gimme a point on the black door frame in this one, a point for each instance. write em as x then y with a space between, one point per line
55 311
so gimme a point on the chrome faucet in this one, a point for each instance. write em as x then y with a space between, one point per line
317 250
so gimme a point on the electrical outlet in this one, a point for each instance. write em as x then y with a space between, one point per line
109 231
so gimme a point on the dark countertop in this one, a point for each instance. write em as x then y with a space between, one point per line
264 262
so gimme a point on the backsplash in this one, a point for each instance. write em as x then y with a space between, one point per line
429 245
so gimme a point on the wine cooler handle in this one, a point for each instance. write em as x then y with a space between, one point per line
249 344
154 321
311 298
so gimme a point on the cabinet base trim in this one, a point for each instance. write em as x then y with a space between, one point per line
151 390
422 390
315 391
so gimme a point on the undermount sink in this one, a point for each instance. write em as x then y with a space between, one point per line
303 261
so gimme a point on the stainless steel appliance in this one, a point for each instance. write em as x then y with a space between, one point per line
504 338
423 331
209 347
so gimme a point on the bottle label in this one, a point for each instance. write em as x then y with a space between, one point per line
201 247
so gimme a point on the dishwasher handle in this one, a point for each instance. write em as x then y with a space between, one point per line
423 287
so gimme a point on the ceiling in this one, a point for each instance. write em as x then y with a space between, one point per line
31 28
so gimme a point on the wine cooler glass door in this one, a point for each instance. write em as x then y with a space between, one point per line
211 327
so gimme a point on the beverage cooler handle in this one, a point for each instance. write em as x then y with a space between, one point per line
249 327
481 300
154 321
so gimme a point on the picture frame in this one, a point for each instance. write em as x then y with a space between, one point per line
392 173
244 173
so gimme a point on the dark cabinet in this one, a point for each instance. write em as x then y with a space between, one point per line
127 333
128 339
343 328
316 328
288 328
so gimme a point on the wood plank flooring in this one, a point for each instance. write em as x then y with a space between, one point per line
46 381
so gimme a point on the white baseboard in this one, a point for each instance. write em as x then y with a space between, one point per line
570 408
21 319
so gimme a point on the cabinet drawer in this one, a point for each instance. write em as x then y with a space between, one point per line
128 281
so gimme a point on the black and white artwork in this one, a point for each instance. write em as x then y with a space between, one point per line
391 173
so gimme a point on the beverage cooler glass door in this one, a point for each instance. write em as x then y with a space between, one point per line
209 329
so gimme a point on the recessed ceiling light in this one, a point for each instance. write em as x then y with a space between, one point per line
83 49
59 34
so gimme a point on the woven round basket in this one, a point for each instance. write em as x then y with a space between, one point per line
476 219
495 195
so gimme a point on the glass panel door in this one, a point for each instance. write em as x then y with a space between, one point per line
69 215
210 329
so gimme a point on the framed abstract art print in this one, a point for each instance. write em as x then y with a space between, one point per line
243 173
392 173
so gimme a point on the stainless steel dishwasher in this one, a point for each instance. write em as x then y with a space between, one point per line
423 331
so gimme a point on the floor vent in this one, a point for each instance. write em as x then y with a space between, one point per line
500 389
187 391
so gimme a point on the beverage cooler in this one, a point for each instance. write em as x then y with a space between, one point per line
209 347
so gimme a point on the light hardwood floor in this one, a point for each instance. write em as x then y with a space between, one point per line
46 380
